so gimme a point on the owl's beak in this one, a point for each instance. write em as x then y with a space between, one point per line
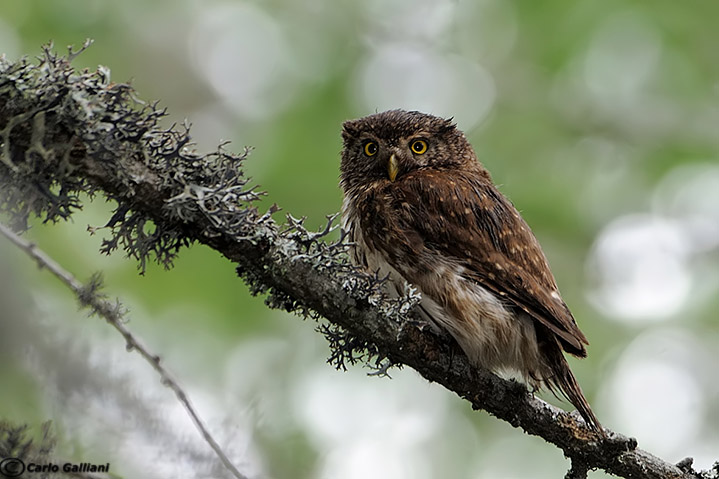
392 167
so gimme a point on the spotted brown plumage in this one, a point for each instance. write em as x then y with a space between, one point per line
421 209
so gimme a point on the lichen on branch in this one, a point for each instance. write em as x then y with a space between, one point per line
65 133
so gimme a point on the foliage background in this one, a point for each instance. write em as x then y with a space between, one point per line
599 120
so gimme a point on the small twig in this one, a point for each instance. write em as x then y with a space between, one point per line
381 370
111 312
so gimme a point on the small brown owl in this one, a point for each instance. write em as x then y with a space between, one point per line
420 209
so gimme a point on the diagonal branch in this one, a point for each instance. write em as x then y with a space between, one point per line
65 132
90 297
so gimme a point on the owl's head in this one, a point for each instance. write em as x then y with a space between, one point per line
388 145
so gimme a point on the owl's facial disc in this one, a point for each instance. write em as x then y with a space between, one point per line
392 167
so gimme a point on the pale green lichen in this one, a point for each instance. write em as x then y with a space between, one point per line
66 133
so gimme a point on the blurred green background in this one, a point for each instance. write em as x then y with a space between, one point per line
600 120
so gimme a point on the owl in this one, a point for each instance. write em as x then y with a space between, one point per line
419 208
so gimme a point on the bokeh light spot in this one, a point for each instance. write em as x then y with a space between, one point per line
690 193
640 262
623 55
406 76
242 53
654 394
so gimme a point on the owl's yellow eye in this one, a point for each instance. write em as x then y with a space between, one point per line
419 147
370 148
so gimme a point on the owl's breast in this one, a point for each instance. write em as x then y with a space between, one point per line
364 251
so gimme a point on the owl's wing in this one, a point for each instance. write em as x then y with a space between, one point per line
463 216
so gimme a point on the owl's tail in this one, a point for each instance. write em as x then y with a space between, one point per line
563 381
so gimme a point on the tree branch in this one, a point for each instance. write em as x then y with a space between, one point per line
90 297
64 132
